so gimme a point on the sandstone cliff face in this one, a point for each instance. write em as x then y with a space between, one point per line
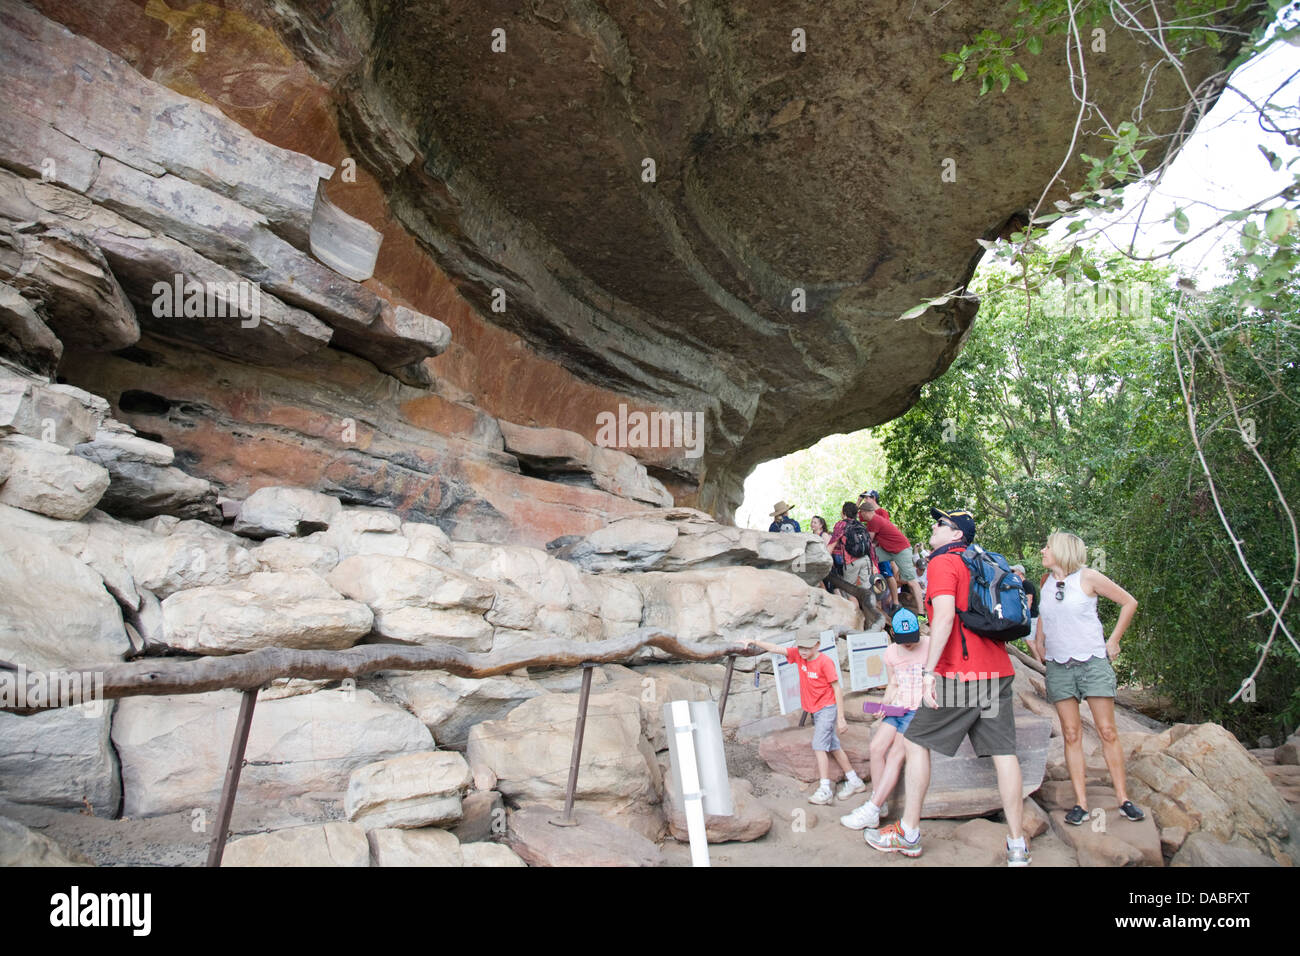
516 178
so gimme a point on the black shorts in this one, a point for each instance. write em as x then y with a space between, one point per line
977 709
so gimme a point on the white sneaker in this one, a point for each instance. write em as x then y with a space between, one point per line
848 789
863 818
822 795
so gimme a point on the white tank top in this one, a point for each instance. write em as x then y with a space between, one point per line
1071 628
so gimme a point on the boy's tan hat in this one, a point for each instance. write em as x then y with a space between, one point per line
780 509
808 640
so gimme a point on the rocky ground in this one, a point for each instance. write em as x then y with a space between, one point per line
774 825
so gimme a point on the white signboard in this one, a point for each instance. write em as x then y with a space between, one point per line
787 674
867 660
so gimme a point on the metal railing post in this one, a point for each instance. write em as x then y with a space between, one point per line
567 819
726 687
233 767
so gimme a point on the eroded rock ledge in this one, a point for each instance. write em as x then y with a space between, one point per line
521 171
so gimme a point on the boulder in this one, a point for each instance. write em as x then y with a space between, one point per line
205 304
965 785
986 840
739 602
530 748
1108 838
61 414
678 539
418 603
97 541
548 450
57 613
173 750
24 338
326 844
483 817
749 820
82 302
595 841
1203 850
378 531
1172 839
285 512
790 752
414 790
295 554
47 479
1034 819
61 758
414 848
266 609
449 705
20 846
143 482
1289 752
566 456
1201 778
187 558
554 583
628 545
651 692
489 854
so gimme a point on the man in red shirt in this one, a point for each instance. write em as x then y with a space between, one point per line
892 545
967 692
820 695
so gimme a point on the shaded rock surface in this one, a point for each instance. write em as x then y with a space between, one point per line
61 758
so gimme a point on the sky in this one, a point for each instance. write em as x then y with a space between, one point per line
1220 168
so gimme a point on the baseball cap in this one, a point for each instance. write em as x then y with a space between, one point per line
808 640
905 626
961 518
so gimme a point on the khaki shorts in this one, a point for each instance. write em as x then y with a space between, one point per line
858 572
1094 677
906 568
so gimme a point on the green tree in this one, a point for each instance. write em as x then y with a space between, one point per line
1033 417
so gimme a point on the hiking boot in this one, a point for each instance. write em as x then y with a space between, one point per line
863 818
890 839
848 789
822 795
1076 816
1131 812
1017 856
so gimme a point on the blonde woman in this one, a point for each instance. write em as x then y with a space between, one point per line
1072 643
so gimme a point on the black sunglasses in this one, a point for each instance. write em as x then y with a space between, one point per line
1060 590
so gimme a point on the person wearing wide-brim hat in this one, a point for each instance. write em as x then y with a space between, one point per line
781 520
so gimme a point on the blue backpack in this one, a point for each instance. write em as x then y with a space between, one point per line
998 604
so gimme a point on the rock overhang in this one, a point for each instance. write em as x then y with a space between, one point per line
780 176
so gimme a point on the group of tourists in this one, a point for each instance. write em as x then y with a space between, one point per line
866 548
948 683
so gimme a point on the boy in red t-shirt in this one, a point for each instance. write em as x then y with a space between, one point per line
974 698
820 695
